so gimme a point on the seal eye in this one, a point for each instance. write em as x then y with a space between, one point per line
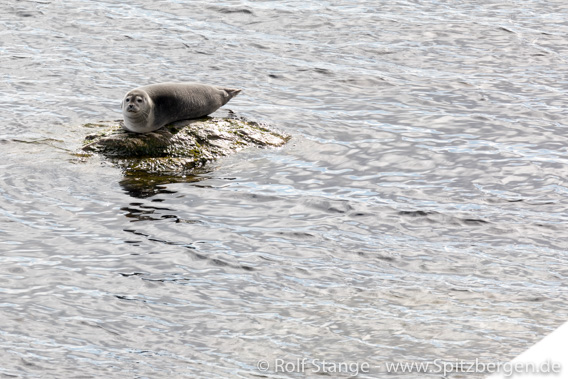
127 100
139 100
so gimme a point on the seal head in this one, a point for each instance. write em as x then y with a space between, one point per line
149 108
138 111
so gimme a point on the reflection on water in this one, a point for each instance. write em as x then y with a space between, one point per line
140 184
418 213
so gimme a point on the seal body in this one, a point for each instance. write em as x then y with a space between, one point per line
148 108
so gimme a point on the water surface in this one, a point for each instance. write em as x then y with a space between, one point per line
419 213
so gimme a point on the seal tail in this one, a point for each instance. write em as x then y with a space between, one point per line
232 92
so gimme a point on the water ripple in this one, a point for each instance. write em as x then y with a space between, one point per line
418 212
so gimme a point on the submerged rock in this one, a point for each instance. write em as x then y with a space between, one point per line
182 146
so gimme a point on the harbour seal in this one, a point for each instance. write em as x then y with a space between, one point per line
148 108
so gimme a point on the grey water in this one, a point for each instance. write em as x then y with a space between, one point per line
419 212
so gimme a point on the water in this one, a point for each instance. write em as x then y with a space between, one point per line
419 213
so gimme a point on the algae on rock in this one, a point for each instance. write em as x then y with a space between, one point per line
181 146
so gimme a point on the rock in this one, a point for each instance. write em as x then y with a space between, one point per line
182 146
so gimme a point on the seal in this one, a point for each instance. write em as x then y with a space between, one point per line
148 108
